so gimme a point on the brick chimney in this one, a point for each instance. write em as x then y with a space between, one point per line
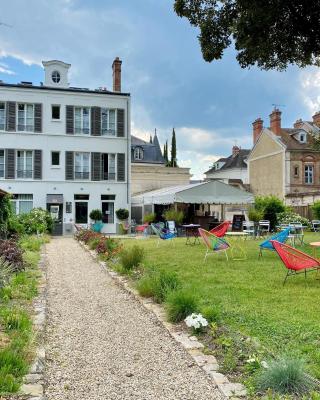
275 121
257 128
316 118
235 150
116 68
298 124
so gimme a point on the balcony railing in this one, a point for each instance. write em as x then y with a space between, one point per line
108 132
24 173
109 176
82 131
25 128
81 175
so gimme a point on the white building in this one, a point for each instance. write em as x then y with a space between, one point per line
66 149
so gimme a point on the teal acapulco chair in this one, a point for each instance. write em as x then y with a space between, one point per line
163 233
213 243
280 237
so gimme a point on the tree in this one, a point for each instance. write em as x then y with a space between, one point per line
173 162
269 33
166 154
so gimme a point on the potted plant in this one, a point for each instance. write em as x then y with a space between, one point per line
149 218
96 216
122 215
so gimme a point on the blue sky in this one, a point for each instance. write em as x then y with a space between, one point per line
211 106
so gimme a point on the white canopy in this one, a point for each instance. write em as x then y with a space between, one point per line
211 192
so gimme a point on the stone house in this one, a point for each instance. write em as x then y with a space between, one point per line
284 161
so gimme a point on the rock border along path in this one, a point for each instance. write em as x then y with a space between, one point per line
101 343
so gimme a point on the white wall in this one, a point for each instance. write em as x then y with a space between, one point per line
232 173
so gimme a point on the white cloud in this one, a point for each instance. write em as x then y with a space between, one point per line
4 69
310 89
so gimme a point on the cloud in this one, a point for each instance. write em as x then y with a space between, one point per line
4 69
310 89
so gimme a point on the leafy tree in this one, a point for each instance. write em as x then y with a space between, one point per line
5 215
269 33
173 162
270 206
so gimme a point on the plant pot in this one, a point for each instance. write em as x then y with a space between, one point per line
97 226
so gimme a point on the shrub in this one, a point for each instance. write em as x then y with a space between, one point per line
96 215
289 217
37 220
158 284
5 271
148 218
108 247
270 206
122 214
254 214
211 313
173 215
286 376
85 235
180 304
316 209
12 253
93 243
131 258
5 214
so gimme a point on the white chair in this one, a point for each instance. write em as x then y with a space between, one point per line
315 225
296 233
172 226
248 228
264 227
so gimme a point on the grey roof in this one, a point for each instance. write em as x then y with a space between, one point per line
236 161
151 151
57 89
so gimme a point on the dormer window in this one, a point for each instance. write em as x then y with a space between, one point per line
302 137
55 76
138 153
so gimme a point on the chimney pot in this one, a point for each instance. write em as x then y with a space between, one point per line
316 118
235 150
116 74
298 124
257 128
275 121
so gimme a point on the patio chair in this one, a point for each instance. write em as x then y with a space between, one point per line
264 227
295 260
296 233
172 226
315 225
213 243
163 233
221 229
141 228
248 228
280 237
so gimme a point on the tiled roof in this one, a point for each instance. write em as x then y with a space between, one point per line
288 139
236 161
151 151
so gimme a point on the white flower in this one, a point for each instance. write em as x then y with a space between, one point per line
264 364
196 321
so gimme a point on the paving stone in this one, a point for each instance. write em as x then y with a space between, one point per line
218 377
32 378
233 389
32 389
210 367
37 366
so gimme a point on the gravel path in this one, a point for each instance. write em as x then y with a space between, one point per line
102 344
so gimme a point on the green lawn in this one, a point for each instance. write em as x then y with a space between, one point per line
250 294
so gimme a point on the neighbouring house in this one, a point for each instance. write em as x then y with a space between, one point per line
148 167
232 170
284 161
66 149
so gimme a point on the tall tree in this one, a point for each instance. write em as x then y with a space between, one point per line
269 33
173 162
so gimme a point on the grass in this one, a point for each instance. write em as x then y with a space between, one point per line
249 295
16 335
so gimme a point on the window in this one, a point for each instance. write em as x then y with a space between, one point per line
107 212
81 197
296 171
109 167
138 153
55 112
22 203
2 116
108 122
55 76
82 120
55 158
308 174
302 137
81 170
24 163
25 117
1 163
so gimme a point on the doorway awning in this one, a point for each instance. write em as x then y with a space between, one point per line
55 198
211 192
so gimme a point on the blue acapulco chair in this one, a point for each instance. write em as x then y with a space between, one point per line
280 237
163 233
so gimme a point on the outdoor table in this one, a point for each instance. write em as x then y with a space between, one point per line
192 233
314 246
238 252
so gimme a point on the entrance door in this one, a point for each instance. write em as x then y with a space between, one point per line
81 212
56 211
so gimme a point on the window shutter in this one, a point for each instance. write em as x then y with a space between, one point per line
121 167
37 164
96 121
120 122
96 166
38 117
70 120
11 116
10 163
69 166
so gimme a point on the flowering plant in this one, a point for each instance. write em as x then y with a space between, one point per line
196 321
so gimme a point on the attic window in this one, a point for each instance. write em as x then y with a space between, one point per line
302 137
55 76
138 153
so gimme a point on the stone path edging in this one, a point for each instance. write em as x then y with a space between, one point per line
190 343
33 385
